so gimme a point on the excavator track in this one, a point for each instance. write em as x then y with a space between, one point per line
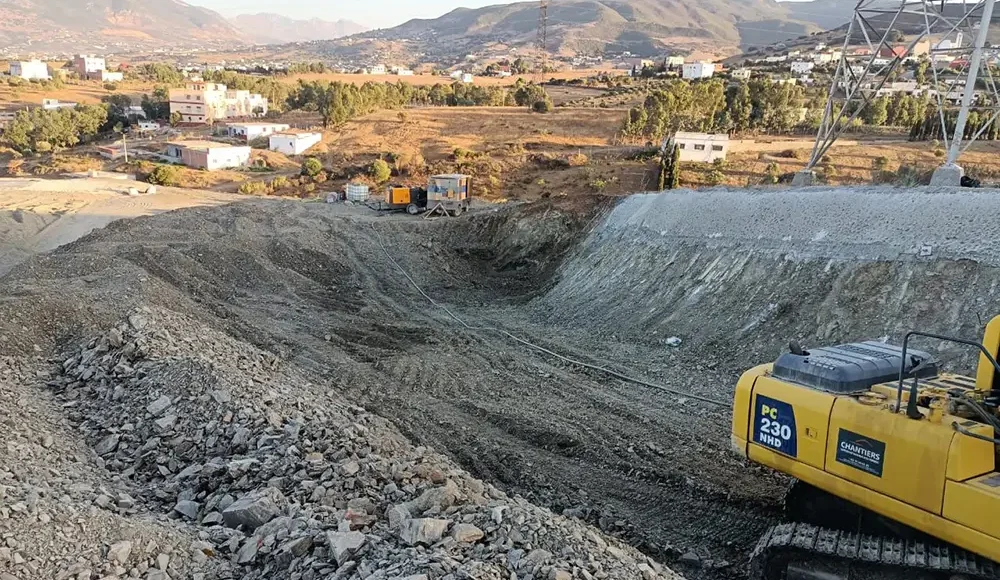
809 552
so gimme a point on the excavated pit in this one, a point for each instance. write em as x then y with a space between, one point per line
734 274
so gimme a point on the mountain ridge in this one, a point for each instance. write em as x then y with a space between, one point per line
272 28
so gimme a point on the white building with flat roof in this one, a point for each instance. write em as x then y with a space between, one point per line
802 67
698 70
701 147
208 154
85 64
210 102
294 142
251 131
30 70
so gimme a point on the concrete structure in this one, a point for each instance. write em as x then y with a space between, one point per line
378 69
85 64
802 67
675 61
210 102
6 116
147 126
53 104
467 78
294 143
107 76
251 131
404 72
701 147
698 70
742 74
208 154
822 58
30 70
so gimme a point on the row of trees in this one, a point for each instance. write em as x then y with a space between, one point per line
678 105
929 128
39 130
339 102
758 106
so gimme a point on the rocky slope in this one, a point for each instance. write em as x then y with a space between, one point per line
111 25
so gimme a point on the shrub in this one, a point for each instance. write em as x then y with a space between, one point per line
772 173
719 163
880 163
939 152
578 160
380 171
598 184
312 167
542 106
715 177
260 143
254 188
309 187
279 182
320 177
168 175
110 87
791 154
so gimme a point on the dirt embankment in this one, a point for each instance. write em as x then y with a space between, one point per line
734 274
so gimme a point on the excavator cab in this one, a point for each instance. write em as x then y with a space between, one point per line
876 429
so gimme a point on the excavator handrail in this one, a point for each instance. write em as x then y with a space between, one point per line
911 405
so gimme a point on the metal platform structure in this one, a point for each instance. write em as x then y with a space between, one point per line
935 30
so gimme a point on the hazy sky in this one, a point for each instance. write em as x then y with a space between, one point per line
374 13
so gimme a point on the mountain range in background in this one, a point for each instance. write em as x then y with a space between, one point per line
642 27
594 26
111 25
268 28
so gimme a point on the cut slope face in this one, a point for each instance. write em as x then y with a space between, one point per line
740 273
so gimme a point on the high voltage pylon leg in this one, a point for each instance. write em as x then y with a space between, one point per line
871 57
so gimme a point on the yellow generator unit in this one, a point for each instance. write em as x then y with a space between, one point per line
411 199
895 462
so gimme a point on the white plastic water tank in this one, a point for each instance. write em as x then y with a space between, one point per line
357 192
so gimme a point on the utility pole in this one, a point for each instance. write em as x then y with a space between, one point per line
543 31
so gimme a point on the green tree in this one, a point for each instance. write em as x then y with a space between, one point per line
380 171
920 72
877 112
519 66
542 106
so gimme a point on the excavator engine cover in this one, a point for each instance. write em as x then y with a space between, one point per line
851 368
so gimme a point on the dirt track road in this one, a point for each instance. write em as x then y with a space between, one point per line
38 215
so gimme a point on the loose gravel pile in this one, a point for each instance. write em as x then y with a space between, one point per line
209 458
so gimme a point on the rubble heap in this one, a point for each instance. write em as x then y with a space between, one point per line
253 471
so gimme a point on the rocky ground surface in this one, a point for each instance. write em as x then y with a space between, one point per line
258 391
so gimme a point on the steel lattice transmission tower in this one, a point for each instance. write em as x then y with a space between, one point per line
543 26
935 28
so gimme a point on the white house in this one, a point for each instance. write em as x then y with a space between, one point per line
30 70
701 147
251 131
378 69
294 143
107 76
698 70
742 74
675 61
457 75
146 126
467 78
208 154
404 72
802 67
823 58
53 104
85 64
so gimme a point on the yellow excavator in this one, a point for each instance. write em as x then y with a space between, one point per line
895 463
